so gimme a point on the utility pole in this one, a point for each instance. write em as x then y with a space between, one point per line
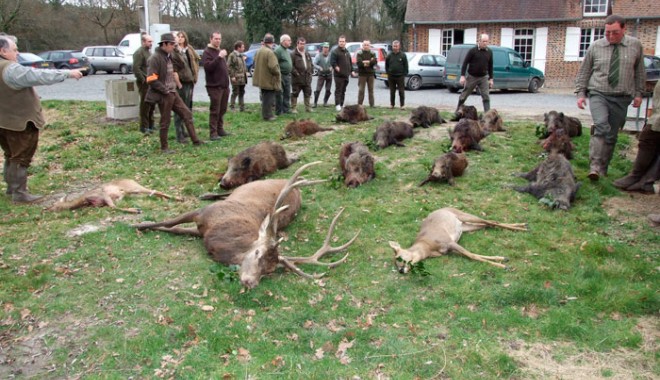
149 15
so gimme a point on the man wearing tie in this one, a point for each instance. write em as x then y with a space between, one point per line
612 75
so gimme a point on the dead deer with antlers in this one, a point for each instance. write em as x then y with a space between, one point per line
439 235
242 229
108 194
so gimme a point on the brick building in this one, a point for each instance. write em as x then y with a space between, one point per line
552 35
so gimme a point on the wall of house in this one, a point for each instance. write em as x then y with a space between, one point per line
558 71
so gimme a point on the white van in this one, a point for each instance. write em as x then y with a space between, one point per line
130 43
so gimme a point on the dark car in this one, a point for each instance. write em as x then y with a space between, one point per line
67 59
33 60
652 64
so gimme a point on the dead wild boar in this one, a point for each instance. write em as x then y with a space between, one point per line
253 163
353 114
391 133
492 121
424 117
302 128
466 135
557 120
559 141
552 182
357 164
466 112
446 167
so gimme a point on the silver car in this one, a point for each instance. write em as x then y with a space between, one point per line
424 69
108 59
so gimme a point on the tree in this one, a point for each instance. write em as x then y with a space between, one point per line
10 12
397 12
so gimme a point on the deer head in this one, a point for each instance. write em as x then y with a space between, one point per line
263 257
404 258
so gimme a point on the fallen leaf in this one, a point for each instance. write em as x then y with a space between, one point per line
207 308
243 355
318 355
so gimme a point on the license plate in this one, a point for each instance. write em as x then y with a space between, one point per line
383 75
43 64
451 77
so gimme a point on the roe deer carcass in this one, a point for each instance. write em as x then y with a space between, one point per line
440 233
242 229
108 194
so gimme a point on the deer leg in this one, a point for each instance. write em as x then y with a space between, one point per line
473 223
485 259
162 195
180 230
183 218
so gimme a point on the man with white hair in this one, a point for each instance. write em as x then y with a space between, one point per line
283 100
20 115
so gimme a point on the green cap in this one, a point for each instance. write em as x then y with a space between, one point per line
325 44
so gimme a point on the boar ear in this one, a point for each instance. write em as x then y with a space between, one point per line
395 246
246 162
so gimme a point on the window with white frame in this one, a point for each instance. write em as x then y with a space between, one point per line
523 43
587 37
447 41
595 7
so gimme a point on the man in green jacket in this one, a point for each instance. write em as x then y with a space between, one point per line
396 67
267 77
140 58
366 63
283 100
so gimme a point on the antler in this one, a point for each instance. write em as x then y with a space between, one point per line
291 184
290 262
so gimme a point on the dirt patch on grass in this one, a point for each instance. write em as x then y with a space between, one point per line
632 208
561 360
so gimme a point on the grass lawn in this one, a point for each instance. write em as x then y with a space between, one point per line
84 295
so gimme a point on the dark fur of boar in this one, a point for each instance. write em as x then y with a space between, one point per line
492 121
391 133
552 182
466 112
301 128
559 141
446 167
357 164
557 120
353 114
466 135
424 117
253 163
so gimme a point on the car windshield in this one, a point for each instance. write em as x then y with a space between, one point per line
29 57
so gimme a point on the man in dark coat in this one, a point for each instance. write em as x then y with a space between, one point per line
140 58
217 84
267 77
342 67
301 76
162 91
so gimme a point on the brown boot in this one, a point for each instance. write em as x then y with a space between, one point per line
5 175
294 104
18 175
596 158
645 183
308 104
163 142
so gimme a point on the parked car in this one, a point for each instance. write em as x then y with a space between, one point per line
386 46
424 69
652 64
108 59
510 71
33 60
67 59
249 62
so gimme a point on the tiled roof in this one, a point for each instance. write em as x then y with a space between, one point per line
462 11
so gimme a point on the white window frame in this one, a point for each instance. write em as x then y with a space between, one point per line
601 5
593 34
446 41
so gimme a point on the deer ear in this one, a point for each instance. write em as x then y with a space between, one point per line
395 246
246 162
264 227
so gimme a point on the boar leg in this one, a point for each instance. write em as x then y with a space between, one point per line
180 230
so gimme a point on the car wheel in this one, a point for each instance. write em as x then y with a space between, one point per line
453 89
387 84
315 72
92 70
534 85
123 69
252 71
414 83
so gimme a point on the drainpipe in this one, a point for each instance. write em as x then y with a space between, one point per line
414 41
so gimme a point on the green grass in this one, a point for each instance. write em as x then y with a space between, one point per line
117 303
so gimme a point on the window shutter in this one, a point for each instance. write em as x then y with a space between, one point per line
435 41
540 48
572 48
507 37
